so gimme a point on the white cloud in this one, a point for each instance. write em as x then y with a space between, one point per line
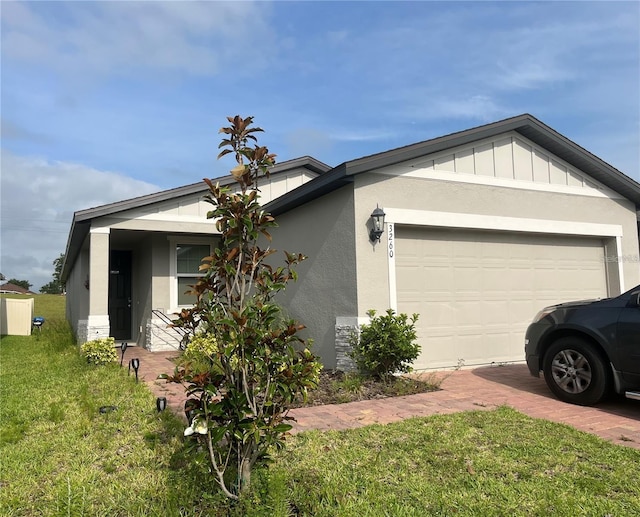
423 105
38 201
318 143
346 135
552 51
198 38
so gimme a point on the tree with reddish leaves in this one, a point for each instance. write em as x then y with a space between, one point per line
246 362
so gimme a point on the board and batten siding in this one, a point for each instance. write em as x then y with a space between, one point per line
509 157
193 208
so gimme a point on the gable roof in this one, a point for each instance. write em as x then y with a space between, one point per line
14 289
526 125
82 218
306 162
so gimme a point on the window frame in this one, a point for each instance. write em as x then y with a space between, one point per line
174 241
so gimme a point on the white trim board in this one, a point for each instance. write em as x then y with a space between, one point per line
391 261
428 218
174 240
499 223
475 179
177 218
105 230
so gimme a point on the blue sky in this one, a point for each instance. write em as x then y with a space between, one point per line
102 101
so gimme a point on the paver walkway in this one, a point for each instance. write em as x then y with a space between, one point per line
484 388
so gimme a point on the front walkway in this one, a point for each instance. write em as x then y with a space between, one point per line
482 388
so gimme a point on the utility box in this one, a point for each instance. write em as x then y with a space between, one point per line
16 316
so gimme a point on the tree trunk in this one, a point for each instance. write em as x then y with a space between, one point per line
245 475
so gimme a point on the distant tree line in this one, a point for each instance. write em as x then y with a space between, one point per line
54 287
20 283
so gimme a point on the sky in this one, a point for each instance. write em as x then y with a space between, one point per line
104 101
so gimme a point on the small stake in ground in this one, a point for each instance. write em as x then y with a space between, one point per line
123 348
161 404
135 364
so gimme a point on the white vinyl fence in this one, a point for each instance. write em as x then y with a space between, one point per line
16 316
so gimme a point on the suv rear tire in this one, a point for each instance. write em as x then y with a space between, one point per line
576 372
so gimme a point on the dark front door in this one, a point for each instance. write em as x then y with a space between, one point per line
120 294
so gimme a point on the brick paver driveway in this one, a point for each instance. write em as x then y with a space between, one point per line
617 420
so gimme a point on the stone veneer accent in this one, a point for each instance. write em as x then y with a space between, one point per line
89 331
82 331
345 328
159 337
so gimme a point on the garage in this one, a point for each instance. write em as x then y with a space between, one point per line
477 290
475 231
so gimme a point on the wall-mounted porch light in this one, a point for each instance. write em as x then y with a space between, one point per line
377 217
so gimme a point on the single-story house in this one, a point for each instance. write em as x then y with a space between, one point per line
9 288
482 229
128 264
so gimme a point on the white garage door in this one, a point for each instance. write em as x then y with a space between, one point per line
477 291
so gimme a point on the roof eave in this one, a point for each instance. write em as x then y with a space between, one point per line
529 127
82 218
306 162
77 234
525 124
417 150
313 189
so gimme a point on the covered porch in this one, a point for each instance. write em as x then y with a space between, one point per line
133 282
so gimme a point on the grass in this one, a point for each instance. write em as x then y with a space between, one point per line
51 306
475 463
62 457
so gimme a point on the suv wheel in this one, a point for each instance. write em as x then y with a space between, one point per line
576 372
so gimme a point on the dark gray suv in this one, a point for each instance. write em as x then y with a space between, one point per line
588 349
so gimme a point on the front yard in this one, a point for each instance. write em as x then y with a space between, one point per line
62 456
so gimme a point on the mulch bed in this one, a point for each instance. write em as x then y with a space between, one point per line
337 387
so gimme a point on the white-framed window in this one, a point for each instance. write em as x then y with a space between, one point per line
185 260
188 260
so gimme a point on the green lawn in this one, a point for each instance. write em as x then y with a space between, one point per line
51 306
476 463
60 456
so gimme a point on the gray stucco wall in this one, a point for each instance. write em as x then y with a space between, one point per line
326 288
77 299
446 196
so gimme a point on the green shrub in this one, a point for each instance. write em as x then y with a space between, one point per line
100 351
200 353
201 347
387 345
